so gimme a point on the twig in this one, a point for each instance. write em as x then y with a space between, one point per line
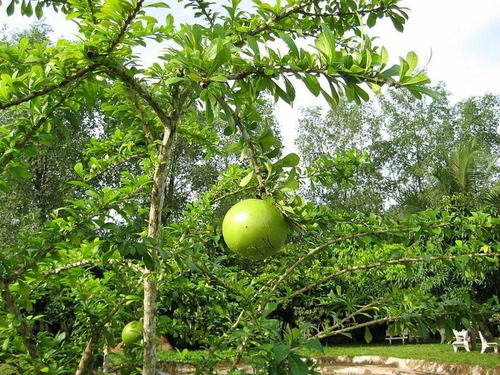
378 264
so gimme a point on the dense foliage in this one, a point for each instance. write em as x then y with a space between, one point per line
116 177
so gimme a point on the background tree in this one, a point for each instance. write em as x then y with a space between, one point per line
347 127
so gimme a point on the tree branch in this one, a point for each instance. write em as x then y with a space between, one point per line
126 23
6 158
80 73
338 240
249 144
379 264
21 328
329 332
94 339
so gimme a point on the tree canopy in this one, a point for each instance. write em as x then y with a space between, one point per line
92 143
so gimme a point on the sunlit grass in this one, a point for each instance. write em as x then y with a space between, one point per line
430 352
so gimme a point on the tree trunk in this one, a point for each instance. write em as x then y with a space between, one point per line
150 287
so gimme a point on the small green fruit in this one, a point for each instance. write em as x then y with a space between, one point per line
132 332
254 229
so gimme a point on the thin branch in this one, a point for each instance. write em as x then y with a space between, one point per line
80 73
360 310
250 146
145 127
379 264
282 70
6 158
95 262
223 197
21 326
361 12
134 84
276 18
335 241
124 27
94 339
329 332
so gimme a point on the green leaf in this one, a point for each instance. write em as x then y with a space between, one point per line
24 289
312 84
398 22
28 9
270 307
297 366
384 57
157 5
368 335
290 43
20 171
5 344
415 90
330 38
252 43
39 10
412 60
314 345
218 79
392 71
11 7
290 161
221 58
281 351
403 67
244 182
172 80
419 79
108 335
290 185
79 169
372 19
325 43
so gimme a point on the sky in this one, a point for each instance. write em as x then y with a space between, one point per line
458 41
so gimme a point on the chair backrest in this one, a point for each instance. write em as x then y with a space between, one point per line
483 340
462 335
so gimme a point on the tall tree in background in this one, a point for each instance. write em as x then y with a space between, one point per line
345 128
408 141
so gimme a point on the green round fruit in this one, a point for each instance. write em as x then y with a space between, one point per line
132 332
254 229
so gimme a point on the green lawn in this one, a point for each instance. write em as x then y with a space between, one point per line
431 352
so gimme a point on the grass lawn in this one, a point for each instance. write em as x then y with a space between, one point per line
430 352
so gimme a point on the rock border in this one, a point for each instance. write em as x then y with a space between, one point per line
419 365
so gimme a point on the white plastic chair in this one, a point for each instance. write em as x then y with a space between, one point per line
442 334
485 344
461 340
403 337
